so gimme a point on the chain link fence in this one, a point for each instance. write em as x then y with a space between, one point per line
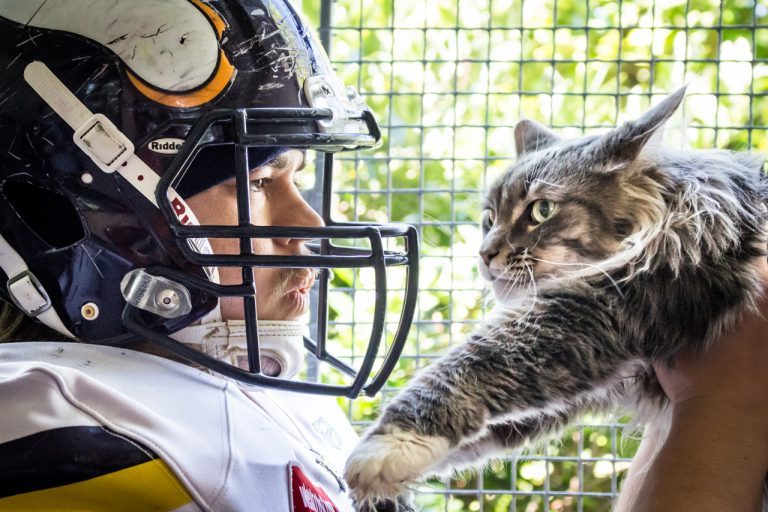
448 79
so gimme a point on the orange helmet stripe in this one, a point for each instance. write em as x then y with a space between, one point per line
218 22
222 77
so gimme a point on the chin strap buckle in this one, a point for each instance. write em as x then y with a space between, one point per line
101 140
155 294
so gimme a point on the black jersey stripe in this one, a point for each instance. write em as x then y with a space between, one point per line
63 456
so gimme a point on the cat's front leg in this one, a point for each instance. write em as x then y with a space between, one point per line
496 439
549 361
501 438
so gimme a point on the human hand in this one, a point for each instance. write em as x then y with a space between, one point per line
718 431
732 374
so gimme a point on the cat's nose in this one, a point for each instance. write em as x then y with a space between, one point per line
487 255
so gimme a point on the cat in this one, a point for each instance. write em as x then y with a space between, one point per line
605 254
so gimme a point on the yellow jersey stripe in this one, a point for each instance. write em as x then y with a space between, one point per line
148 486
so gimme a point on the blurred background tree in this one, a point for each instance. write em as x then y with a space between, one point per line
448 79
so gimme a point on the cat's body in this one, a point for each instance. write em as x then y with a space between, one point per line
605 254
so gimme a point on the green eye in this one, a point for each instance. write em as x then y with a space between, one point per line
542 210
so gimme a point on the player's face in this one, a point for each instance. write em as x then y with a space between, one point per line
281 294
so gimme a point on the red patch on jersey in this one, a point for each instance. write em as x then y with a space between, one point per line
308 497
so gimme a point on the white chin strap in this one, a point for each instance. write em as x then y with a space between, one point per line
281 344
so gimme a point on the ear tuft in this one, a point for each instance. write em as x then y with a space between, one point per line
530 136
625 143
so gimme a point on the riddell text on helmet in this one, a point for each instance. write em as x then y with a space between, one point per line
166 146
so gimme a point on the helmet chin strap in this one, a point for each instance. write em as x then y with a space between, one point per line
281 344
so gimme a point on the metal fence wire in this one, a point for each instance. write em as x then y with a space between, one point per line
448 79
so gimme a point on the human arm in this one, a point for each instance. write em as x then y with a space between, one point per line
716 454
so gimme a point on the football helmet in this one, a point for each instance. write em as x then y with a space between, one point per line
106 111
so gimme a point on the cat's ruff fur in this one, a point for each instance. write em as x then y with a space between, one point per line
648 251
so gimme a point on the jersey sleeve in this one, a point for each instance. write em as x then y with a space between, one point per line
53 457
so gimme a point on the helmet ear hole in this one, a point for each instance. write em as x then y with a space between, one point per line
50 215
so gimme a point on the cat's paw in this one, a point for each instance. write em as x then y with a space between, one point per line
382 465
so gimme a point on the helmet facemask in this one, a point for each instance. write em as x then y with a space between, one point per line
337 245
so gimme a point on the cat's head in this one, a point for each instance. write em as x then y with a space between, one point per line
567 205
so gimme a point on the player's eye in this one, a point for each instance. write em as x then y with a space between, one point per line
258 184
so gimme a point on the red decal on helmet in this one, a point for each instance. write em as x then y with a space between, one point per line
308 497
180 209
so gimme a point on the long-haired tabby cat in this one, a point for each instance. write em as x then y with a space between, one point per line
605 254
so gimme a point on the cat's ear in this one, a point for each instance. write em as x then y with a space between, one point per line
530 136
625 143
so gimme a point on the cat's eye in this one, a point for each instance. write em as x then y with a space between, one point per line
542 210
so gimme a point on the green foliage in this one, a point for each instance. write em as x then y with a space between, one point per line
447 80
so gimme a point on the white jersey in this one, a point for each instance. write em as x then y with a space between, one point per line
98 428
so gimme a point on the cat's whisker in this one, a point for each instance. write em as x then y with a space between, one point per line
538 239
511 284
437 225
534 295
543 170
584 265
508 287
547 183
